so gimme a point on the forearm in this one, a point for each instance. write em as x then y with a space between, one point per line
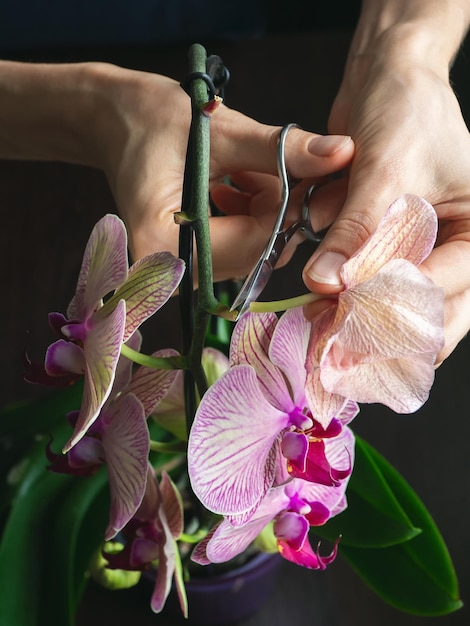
61 112
411 31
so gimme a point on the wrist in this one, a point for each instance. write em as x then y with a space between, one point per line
423 32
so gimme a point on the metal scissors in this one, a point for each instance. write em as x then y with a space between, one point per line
259 276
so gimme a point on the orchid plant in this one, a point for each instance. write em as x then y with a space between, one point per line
265 428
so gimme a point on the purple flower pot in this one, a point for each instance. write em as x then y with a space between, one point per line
228 597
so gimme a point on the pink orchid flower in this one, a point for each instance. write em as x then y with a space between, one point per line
150 538
93 331
293 508
379 341
256 420
119 437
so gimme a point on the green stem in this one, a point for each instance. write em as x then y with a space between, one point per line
198 536
163 363
197 216
275 306
167 447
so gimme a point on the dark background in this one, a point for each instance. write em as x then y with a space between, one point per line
48 210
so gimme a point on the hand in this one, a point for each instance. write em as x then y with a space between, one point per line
410 137
143 146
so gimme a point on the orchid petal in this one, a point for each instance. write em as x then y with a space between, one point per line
407 231
230 442
228 541
331 496
250 345
199 554
172 504
170 412
87 453
214 363
64 357
291 528
383 365
323 404
151 385
288 349
150 283
104 266
319 514
102 350
294 448
306 557
348 412
124 367
166 568
126 446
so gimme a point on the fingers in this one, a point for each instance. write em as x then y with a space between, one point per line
364 207
241 143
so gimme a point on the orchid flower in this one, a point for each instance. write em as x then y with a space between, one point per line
293 507
119 437
379 341
150 536
92 332
256 418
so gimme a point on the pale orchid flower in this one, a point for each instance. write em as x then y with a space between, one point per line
293 508
119 437
379 341
256 420
93 330
150 539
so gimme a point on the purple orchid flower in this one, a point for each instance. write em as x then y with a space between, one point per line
256 417
119 437
150 536
293 508
92 332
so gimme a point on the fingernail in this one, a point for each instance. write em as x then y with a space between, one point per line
326 268
327 144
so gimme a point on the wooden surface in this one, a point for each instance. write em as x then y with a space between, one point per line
48 211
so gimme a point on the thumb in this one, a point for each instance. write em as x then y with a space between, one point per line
363 209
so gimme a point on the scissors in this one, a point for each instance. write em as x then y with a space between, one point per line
260 274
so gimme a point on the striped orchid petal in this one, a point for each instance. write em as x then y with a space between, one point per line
126 446
150 283
230 443
151 385
288 348
102 349
104 267
250 343
408 231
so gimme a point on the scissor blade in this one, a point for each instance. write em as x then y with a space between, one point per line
252 287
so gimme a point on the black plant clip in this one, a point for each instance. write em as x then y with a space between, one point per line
216 77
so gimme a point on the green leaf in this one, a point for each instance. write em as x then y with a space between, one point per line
77 530
23 550
416 576
374 518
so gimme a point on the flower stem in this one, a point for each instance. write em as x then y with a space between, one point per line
195 208
162 363
167 446
195 538
275 306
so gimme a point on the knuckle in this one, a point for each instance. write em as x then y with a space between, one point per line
353 230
